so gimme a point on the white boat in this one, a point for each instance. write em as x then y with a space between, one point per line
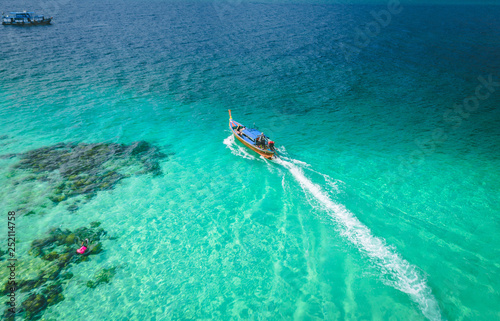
25 19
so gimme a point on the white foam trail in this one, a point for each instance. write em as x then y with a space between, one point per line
299 162
330 181
400 274
281 149
333 183
235 149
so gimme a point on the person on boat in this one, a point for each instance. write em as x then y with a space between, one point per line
83 247
239 129
261 140
271 145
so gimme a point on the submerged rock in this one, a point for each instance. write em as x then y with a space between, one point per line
85 169
51 272
95 248
50 256
72 207
70 240
7 156
33 305
53 293
65 258
95 224
28 285
58 250
102 276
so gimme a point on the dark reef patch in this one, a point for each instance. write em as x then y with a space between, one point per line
7 156
58 249
82 169
102 276
45 248
79 159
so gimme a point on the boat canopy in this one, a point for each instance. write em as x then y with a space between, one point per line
20 15
251 133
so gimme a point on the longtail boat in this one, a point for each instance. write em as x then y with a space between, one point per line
252 138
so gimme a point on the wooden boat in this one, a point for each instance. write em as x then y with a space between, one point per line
252 138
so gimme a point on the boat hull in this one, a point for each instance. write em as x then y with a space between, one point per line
263 152
30 23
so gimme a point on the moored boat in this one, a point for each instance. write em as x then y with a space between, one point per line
252 138
25 19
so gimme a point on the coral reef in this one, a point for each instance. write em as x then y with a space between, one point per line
102 276
58 249
89 168
71 174
82 170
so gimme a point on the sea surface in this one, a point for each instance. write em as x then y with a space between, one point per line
384 203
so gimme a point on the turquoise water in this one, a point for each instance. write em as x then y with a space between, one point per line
383 206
